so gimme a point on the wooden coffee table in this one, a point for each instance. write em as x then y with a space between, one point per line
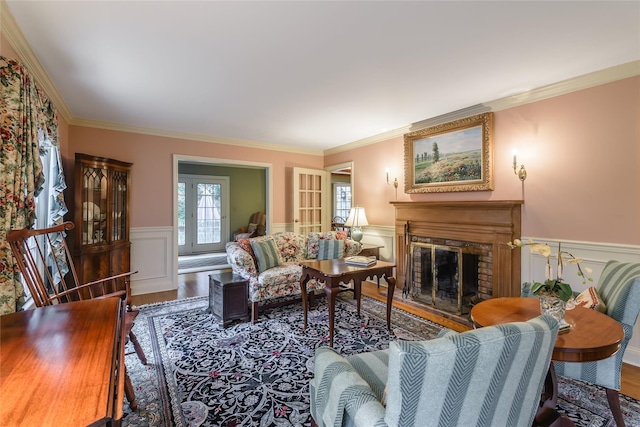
335 271
592 336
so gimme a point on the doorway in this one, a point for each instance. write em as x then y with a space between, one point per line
204 165
342 191
203 209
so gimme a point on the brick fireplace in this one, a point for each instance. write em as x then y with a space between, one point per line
452 253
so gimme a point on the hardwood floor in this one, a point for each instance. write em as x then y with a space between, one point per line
197 284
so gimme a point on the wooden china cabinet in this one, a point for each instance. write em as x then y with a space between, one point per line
101 244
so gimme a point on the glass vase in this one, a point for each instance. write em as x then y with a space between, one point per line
553 306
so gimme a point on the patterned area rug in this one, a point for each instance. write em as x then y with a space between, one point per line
200 374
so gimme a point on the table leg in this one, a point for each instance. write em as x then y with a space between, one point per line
303 289
547 414
551 388
357 292
331 293
391 281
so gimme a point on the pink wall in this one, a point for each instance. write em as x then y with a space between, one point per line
581 151
5 48
152 173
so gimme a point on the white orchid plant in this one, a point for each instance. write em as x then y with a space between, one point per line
554 286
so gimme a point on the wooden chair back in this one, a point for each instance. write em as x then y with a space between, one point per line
46 264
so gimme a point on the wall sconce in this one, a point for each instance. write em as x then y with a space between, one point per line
395 180
522 173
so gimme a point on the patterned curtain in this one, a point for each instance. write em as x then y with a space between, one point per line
23 113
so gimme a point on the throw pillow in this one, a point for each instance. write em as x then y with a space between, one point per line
246 245
590 299
267 255
330 249
313 242
342 235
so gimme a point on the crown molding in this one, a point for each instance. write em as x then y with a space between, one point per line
369 140
16 39
193 137
596 78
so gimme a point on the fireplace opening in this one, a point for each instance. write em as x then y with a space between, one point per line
445 277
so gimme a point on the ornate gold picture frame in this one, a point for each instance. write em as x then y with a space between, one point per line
454 156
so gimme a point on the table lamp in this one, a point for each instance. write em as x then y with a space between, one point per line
356 220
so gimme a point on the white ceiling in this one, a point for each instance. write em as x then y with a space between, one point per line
312 74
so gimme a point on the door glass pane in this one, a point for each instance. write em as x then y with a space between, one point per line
343 200
94 207
119 205
208 213
181 215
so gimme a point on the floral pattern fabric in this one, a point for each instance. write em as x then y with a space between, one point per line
24 113
283 280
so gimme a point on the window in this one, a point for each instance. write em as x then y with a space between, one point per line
342 200
50 206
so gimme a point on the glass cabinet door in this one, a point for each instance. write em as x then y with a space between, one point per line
94 205
119 205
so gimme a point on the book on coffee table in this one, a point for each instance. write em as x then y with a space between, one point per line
361 261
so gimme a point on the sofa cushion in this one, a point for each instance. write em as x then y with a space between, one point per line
267 254
292 246
281 281
313 243
246 245
330 249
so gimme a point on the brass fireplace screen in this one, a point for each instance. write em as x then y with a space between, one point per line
444 277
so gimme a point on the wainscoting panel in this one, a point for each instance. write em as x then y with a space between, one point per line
152 255
381 236
595 256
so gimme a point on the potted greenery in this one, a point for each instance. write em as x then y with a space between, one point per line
553 292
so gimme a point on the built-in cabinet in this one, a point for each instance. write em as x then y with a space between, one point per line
101 245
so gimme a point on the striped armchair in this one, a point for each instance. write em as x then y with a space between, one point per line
491 376
619 289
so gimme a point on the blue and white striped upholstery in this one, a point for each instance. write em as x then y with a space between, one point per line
619 288
491 376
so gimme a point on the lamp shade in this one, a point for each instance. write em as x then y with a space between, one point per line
357 218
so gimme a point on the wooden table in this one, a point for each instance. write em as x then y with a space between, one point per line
335 271
592 336
63 365
370 250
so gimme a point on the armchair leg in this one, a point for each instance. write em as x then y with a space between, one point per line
614 403
138 348
129 393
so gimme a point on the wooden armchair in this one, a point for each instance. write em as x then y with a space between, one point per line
45 262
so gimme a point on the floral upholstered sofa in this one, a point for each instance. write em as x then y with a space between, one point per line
270 263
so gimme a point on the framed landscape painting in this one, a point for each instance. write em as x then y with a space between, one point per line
454 156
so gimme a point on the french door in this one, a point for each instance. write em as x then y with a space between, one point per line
203 207
311 210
